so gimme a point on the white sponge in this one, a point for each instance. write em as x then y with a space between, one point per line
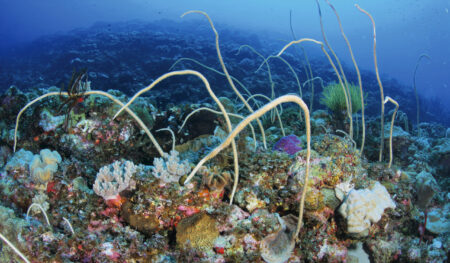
365 206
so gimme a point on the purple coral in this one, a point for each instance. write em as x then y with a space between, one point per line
288 144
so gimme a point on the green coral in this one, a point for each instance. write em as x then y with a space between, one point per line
333 97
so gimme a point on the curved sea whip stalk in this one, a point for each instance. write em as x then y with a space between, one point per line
272 85
311 101
357 73
213 96
277 113
308 71
224 68
290 68
380 157
392 127
415 89
211 69
91 92
326 54
11 245
331 63
348 100
220 113
258 113
168 129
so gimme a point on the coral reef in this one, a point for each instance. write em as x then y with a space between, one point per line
103 201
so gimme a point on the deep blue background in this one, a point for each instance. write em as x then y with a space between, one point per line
405 28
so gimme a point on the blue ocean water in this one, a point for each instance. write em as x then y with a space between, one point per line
405 29
128 195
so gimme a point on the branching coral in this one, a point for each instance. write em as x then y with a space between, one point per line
169 169
113 179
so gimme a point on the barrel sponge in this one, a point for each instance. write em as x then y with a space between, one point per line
365 206
44 165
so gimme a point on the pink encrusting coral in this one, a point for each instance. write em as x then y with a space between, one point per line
288 144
